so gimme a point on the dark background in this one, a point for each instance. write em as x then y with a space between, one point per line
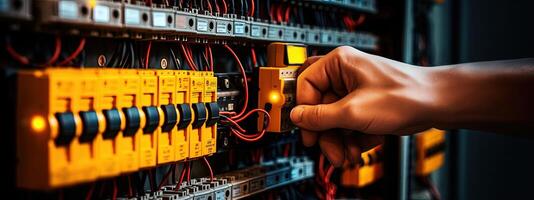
485 165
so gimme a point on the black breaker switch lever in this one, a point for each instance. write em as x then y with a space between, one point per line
213 113
133 121
185 115
90 126
170 118
200 115
113 123
152 119
67 128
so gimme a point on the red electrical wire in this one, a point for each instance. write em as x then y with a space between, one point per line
286 15
57 51
211 58
271 12
130 190
251 8
23 60
279 17
209 6
209 168
253 55
182 175
287 149
74 54
147 58
187 58
189 172
90 192
225 6
190 55
217 6
115 189
245 104
240 133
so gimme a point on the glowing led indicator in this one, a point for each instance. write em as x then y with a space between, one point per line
274 97
38 123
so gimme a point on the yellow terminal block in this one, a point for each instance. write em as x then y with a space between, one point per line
184 111
49 152
129 104
199 114
166 101
108 155
369 170
277 84
153 118
209 133
430 155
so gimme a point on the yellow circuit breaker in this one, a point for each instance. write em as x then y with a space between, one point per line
277 84
209 134
129 104
183 128
199 114
166 101
153 118
114 122
430 147
367 172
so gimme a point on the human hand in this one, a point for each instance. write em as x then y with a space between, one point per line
354 91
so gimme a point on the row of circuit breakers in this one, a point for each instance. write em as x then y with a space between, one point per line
77 125
108 17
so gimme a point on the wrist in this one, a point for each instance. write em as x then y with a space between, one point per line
452 89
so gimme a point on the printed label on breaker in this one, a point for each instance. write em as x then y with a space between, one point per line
274 33
131 16
221 27
68 9
181 21
202 25
239 28
255 31
158 19
101 13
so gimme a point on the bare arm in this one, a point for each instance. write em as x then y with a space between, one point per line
351 90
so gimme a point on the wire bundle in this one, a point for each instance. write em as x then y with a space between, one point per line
323 179
234 118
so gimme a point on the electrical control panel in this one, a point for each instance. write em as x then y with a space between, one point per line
155 99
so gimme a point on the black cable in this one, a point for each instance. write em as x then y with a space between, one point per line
257 9
132 57
232 7
113 56
245 8
175 60
139 58
241 7
124 55
206 60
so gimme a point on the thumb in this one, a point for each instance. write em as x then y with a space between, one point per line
316 117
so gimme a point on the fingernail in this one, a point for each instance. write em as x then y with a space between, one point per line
296 114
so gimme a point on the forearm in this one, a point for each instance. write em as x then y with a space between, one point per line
486 95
